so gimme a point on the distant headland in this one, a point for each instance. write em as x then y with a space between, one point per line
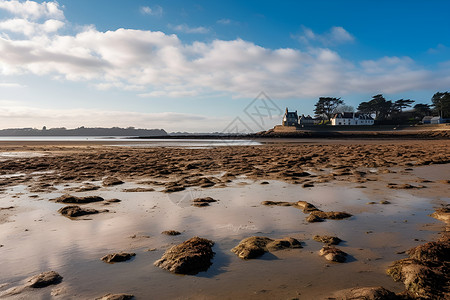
82 131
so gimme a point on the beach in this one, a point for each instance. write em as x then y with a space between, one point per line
388 187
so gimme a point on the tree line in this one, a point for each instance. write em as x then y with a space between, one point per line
386 111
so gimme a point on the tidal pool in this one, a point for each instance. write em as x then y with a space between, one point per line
36 238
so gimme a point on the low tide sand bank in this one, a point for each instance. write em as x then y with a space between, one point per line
389 189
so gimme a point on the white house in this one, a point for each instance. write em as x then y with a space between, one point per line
437 120
349 118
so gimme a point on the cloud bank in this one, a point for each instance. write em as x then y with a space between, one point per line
156 64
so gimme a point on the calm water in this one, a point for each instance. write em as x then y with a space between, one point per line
134 142
37 238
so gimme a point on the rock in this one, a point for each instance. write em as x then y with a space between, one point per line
333 254
173 189
438 251
330 240
78 200
190 257
116 297
307 185
307 207
283 244
313 219
277 203
117 257
44 279
84 188
333 215
425 273
385 202
256 246
110 181
171 232
442 214
365 293
6 208
405 186
73 211
113 200
138 190
252 247
199 202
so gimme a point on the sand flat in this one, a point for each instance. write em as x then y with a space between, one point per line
35 235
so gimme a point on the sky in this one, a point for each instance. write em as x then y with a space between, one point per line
212 66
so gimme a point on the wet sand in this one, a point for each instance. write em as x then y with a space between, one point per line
352 176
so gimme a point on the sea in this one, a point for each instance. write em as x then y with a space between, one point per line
135 142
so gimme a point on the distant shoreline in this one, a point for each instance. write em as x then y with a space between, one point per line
322 134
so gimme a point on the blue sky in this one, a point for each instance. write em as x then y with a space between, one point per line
196 65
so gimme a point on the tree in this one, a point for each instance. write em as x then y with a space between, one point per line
422 110
378 106
344 108
441 104
327 105
400 104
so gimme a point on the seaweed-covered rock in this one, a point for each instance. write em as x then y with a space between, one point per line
174 188
256 246
110 181
252 247
284 243
171 232
277 203
116 297
333 254
330 240
365 293
138 190
313 219
307 207
117 257
425 273
44 279
190 257
73 211
333 215
442 214
199 202
77 200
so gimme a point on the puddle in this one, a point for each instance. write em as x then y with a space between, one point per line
435 172
21 154
40 239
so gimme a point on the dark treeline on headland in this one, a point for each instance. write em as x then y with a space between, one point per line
387 112
82 131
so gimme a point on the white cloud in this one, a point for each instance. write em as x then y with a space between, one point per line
155 64
11 85
29 28
33 10
336 35
340 35
155 11
224 21
440 48
186 29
